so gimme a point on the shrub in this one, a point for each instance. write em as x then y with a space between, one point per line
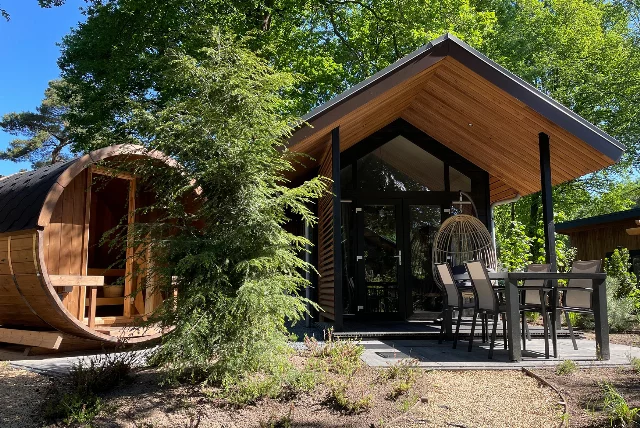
617 266
617 409
76 398
339 397
635 364
622 312
285 383
404 374
566 368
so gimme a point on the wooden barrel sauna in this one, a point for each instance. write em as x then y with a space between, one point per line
54 272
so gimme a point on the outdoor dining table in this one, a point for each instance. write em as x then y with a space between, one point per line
512 301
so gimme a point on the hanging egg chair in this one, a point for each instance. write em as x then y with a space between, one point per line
463 238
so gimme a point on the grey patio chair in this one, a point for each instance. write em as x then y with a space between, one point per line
574 300
452 300
535 301
487 302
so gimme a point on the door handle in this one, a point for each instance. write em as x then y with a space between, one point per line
399 257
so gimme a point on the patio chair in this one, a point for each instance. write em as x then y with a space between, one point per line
534 301
452 299
487 302
579 301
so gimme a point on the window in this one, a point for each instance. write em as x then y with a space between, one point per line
400 165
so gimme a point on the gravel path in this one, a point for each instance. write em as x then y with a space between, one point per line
483 399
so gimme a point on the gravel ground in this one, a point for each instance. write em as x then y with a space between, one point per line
469 399
21 396
631 339
483 399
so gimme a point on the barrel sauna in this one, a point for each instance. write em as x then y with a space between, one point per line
55 275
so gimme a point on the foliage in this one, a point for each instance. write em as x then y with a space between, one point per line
619 412
514 247
566 367
218 236
342 357
635 364
403 373
285 421
46 133
287 382
77 397
341 399
618 266
621 312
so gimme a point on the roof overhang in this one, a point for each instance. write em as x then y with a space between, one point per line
470 104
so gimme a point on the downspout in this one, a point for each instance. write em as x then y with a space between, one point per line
492 223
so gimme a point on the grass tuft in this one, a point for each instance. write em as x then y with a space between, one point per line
566 367
617 409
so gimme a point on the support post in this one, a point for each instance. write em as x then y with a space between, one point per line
337 229
547 201
549 229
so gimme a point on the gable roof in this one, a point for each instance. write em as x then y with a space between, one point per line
447 88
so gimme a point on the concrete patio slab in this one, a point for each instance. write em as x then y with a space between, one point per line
432 355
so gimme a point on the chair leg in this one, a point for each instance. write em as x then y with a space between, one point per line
524 331
483 325
504 330
473 329
573 338
455 337
493 335
442 325
545 327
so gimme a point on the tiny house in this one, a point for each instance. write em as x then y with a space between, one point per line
60 286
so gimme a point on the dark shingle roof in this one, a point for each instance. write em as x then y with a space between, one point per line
22 196
567 226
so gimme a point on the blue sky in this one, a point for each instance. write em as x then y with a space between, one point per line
29 53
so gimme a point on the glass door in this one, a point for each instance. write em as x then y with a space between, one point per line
423 294
380 258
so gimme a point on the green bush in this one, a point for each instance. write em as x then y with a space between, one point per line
621 311
566 368
617 266
339 397
635 364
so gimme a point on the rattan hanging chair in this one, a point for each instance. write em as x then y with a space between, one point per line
462 238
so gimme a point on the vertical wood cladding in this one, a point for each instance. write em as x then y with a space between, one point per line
325 243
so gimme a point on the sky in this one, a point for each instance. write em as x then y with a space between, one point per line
28 55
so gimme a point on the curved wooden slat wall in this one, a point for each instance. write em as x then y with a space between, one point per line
27 297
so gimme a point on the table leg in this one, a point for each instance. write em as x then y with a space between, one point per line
554 317
448 322
545 325
513 322
599 305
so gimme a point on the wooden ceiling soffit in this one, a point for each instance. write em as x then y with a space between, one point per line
370 107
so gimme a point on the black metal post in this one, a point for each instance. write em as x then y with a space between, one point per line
337 230
599 304
549 227
547 201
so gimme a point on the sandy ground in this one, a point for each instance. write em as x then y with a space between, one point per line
438 399
21 397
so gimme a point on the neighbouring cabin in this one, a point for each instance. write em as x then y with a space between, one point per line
60 286
442 131
597 237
